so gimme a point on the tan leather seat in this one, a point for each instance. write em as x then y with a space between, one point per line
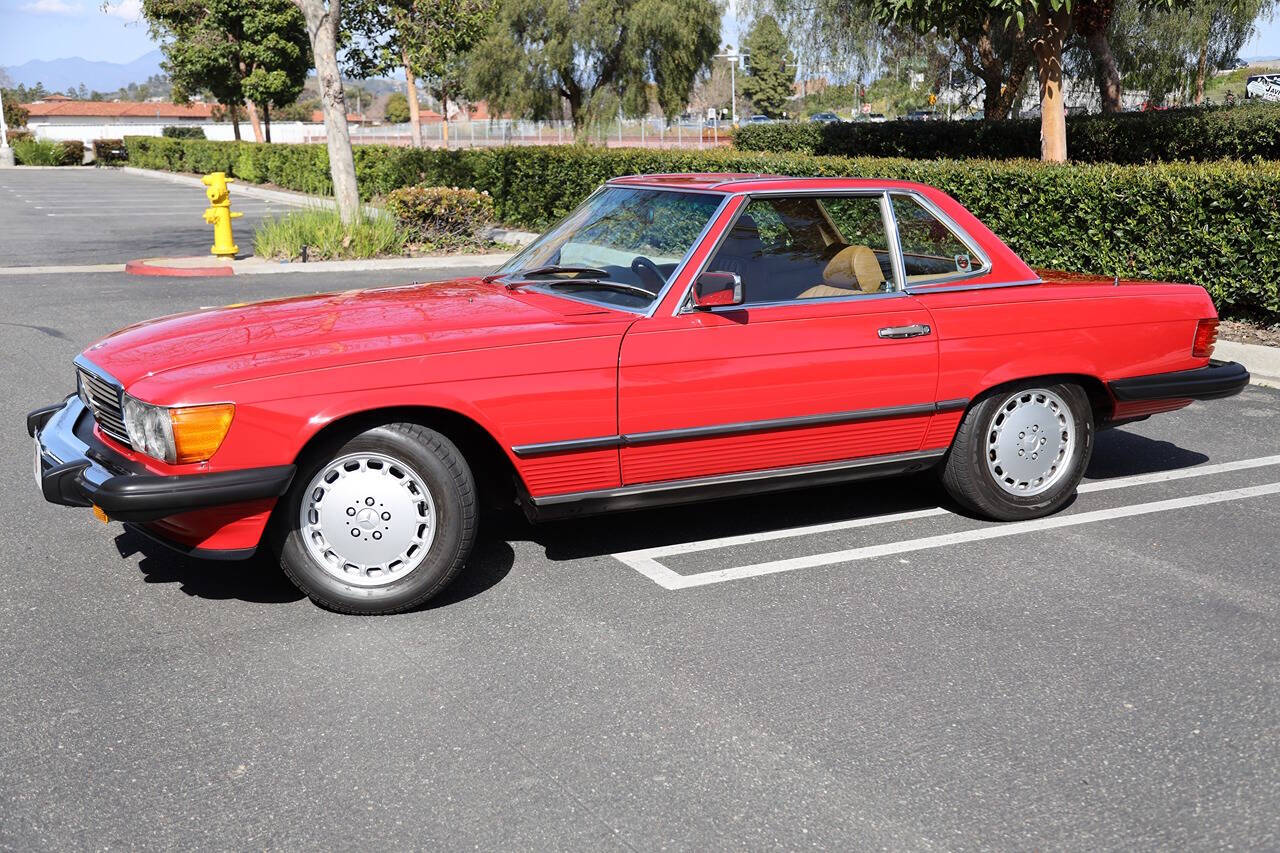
853 269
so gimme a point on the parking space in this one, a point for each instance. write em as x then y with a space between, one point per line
101 216
852 667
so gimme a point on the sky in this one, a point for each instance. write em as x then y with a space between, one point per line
54 29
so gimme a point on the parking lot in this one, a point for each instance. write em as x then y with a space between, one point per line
855 667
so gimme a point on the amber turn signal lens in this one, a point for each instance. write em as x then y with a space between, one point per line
1206 337
100 514
198 430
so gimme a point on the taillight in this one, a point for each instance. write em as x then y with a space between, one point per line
1206 337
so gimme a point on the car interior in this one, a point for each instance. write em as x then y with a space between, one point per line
807 247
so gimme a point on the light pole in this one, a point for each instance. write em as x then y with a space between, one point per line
6 153
733 56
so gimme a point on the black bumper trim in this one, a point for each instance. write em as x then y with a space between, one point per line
1216 380
77 469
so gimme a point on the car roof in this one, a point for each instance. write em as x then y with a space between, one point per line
737 182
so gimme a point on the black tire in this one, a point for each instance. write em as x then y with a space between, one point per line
446 476
968 477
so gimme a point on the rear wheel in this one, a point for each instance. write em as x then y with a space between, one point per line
1022 452
381 523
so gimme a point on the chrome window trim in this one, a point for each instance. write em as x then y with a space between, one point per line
652 308
738 477
684 306
964 236
926 289
635 439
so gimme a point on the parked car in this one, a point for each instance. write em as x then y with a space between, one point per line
875 118
825 118
675 338
759 119
921 115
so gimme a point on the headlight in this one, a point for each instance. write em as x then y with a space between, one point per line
177 435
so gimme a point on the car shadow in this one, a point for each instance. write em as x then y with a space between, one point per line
1118 453
651 528
259 579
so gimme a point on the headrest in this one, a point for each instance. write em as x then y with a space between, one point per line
854 267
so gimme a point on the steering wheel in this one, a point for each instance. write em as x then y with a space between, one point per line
646 268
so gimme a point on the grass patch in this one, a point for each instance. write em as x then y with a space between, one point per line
39 152
327 238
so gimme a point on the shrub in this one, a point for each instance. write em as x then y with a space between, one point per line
1212 133
16 133
182 131
39 152
441 216
72 153
326 237
109 152
1213 224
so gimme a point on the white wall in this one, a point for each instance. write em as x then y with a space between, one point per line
283 131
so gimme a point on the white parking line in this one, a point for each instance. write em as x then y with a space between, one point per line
645 561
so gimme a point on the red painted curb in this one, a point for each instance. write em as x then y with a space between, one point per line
143 266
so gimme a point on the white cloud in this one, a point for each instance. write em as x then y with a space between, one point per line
51 7
128 10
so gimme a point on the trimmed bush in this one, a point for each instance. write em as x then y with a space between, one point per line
109 152
72 153
1210 133
443 217
182 131
16 133
1212 224
38 152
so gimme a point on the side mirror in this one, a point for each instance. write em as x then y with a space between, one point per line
717 289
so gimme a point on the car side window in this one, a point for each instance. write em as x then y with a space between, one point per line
788 248
931 251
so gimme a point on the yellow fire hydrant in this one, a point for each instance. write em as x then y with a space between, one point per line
219 214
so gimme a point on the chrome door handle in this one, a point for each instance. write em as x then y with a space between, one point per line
913 331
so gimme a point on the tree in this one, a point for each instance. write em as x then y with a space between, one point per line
323 19
397 109
428 39
242 53
1092 19
772 72
546 60
15 115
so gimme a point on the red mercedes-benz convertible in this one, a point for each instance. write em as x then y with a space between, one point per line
676 337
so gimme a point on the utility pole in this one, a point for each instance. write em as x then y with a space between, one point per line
6 153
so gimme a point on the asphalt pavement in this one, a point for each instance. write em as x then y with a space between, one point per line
855 667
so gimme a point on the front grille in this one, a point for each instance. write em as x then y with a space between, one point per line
106 403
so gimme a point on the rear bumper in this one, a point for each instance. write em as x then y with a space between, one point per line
1216 380
74 468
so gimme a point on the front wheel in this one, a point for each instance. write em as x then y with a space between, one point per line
1022 452
379 524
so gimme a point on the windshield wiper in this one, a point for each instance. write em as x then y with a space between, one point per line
549 269
607 285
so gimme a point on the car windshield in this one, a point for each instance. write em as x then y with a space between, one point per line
620 247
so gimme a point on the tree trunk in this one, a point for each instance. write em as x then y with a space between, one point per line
235 120
1107 72
1053 117
252 109
1202 67
266 121
411 94
322 27
444 118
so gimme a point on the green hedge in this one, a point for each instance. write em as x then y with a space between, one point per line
1213 224
1212 133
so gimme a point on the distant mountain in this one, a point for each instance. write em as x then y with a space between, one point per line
59 74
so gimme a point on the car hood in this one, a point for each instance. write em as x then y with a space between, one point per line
238 342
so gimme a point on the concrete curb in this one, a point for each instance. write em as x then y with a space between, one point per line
259 266
1262 362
